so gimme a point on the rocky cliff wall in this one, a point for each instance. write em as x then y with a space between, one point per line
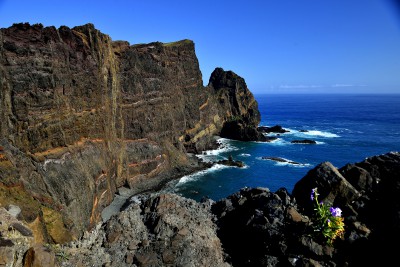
82 115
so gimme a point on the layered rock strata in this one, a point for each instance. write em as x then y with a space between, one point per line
82 115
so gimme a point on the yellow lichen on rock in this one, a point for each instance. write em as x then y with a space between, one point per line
55 226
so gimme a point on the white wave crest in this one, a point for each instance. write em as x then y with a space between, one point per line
224 145
244 155
320 133
314 133
276 142
287 163
300 165
195 176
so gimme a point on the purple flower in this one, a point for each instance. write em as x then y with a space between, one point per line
336 212
314 193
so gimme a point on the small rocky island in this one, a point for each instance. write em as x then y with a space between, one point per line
273 129
282 160
232 163
304 141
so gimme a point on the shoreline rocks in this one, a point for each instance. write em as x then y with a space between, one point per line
276 228
231 162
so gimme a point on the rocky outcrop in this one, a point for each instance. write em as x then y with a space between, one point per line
82 115
153 230
239 108
231 162
261 228
273 129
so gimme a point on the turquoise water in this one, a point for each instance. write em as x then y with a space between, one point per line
347 128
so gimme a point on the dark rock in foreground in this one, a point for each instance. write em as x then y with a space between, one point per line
261 228
305 141
154 230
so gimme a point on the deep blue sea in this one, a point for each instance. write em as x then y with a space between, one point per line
347 128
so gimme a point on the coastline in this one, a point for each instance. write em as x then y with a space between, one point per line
168 180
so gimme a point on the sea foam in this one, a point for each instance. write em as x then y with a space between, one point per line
195 176
213 155
320 133
288 163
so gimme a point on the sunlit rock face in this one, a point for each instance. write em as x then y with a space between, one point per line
241 114
82 115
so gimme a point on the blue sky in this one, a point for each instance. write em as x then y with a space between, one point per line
278 46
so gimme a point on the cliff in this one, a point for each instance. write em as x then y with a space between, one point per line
82 115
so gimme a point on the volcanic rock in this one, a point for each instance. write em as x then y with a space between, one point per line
261 228
241 109
82 115
231 162
272 129
154 230
278 159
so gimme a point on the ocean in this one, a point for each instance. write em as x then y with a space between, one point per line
347 129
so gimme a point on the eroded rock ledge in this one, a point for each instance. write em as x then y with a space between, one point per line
82 115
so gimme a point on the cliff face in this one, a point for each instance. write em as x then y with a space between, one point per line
82 115
241 113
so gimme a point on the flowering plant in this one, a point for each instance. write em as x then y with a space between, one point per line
328 220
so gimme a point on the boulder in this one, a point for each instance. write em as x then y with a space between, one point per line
332 187
39 256
261 228
231 162
153 230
